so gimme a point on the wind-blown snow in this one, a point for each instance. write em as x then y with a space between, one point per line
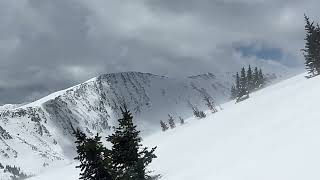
272 135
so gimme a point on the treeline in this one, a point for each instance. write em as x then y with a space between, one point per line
199 114
126 160
171 122
16 172
248 81
311 51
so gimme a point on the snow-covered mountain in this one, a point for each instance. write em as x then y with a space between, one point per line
272 135
39 132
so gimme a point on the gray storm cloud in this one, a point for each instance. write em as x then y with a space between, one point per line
49 45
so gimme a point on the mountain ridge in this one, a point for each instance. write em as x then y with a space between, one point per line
41 130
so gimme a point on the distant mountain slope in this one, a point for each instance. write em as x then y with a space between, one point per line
272 135
39 132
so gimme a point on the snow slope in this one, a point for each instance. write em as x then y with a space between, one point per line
272 135
40 132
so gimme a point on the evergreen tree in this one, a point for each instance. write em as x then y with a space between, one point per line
237 83
93 157
164 126
250 82
210 103
181 120
197 113
317 48
243 83
202 114
129 159
261 78
309 51
256 77
171 122
233 92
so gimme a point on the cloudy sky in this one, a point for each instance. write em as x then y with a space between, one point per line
47 45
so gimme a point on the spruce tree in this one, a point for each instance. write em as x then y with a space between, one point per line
256 78
250 83
210 104
129 159
197 113
171 122
164 126
243 83
93 157
309 51
233 92
181 120
237 83
261 78
317 48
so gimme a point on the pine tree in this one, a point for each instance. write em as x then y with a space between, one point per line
250 83
171 122
237 83
164 126
210 103
181 120
233 92
197 113
129 159
261 78
93 157
309 50
256 78
202 114
243 83
317 48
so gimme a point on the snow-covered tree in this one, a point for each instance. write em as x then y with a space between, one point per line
164 126
197 113
210 103
256 77
233 92
172 124
243 83
250 80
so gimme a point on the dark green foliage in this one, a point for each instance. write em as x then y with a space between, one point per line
311 50
172 124
243 83
93 156
250 82
164 126
129 159
247 82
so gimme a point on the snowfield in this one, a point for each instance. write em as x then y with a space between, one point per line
274 135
